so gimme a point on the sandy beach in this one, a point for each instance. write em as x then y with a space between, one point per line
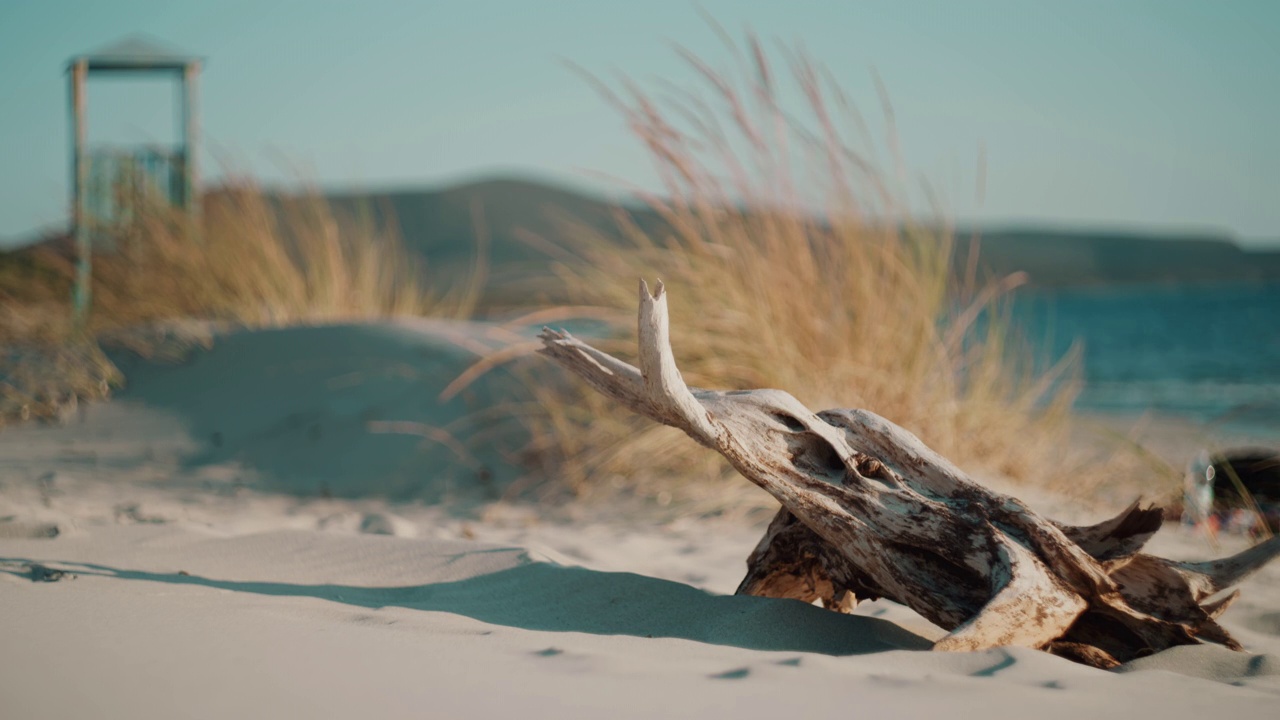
283 435
228 538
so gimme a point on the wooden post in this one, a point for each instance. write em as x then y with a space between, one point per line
191 140
82 292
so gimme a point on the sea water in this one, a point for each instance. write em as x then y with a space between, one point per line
1207 353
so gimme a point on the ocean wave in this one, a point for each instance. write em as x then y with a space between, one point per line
1205 399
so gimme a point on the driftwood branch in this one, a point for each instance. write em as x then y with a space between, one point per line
869 511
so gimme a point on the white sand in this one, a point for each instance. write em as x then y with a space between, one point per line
203 584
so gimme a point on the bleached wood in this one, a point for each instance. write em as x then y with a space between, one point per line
870 511
662 380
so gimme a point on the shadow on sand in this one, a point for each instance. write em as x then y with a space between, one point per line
546 597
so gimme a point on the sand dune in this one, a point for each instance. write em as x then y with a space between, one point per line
172 554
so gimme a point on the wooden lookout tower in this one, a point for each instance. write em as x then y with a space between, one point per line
107 183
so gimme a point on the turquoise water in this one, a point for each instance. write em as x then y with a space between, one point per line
1208 353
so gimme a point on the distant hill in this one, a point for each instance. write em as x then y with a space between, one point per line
1064 257
441 224
519 217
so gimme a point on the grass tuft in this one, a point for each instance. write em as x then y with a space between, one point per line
792 263
256 259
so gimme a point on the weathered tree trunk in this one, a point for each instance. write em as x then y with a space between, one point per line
870 511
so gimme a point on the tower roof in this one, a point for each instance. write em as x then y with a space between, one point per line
137 52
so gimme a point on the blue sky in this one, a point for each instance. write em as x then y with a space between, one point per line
1153 114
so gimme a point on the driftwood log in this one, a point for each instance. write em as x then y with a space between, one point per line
869 511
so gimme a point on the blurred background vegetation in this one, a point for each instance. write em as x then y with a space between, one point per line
791 260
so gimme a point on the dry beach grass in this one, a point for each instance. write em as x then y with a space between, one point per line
797 261
256 260
798 267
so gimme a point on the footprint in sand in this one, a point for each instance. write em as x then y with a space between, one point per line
387 524
40 573
1266 623
13 529
35 572
372 620
131 514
